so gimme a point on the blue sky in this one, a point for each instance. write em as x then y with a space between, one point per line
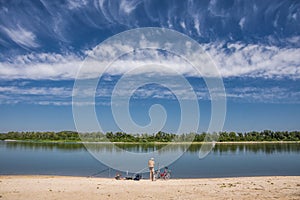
255 45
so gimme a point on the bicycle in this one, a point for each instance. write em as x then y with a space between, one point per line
166 174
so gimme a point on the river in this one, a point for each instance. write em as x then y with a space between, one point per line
225 160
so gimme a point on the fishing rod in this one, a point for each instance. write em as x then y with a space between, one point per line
141 170
99 172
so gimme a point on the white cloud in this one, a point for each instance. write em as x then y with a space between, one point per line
182 24
263 94
52 91
237 60
41 66
120 12
128 6
101 6
197 25
76 4
255 60
294 40
21 36
242 22
61 96
294 16
35 95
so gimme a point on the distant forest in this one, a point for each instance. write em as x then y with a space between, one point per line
71 136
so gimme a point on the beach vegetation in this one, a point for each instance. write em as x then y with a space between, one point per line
162 137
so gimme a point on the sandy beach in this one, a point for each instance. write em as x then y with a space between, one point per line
61 187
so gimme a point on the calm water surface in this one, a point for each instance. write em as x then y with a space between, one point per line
226 160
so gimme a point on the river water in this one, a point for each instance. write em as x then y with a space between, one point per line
225 160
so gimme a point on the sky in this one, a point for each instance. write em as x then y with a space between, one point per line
255 46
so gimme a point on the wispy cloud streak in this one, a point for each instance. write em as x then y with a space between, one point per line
21 36
233 60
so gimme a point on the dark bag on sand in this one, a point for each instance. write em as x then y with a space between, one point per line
137 177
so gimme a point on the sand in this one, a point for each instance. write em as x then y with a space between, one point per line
73 188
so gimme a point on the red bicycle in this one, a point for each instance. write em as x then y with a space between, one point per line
166 174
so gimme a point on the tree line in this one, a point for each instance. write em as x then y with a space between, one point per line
73 136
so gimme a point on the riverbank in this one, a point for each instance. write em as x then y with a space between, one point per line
149 143
61 187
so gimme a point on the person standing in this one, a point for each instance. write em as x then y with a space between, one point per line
151 164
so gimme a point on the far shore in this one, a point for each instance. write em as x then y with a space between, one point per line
78 188
163 143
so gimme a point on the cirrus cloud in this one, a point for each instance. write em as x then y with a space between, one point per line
21 36
231 59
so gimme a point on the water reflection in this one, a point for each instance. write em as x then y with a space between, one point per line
224 161
267 148
43 146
